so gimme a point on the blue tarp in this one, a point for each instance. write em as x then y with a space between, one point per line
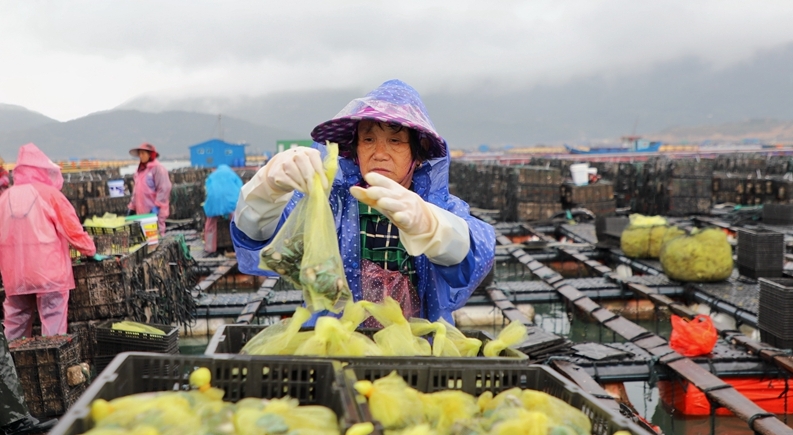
223 188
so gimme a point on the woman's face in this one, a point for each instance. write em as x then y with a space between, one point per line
144 156
384 150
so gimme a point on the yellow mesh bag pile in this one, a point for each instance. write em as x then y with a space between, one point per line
645 235
399 336
703 256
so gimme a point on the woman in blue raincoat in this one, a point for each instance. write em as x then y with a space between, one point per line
222 188
401 234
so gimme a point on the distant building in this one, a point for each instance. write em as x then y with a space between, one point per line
283 145
216 152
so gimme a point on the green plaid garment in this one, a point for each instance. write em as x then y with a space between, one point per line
380 243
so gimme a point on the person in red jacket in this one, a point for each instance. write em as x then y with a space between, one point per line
37 224
152 190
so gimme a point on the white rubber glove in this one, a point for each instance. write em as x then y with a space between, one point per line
401 206
264 197
291 170
424 228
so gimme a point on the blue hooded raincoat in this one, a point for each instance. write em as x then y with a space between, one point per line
441 289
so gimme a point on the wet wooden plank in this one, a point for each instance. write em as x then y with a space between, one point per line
649 342
252 308
216 274
501 301
583 380
538 339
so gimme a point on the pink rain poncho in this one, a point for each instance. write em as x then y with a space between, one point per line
4 182
37 224
152 189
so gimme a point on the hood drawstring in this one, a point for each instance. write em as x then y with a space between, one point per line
409 175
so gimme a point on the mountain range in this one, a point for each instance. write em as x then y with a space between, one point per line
682 100
670 98
19 118
109 135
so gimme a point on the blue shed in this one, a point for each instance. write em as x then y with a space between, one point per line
215 152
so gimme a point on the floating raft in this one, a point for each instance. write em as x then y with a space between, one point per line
630 363
716 390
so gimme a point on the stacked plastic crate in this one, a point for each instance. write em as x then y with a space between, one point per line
760 253
729 187
782 189
101 290
459 172
597 198
497 181
536 192
43 365
186 199
778 214
484 186
752 179
107 204
774 320
749 188
327 383
118 240
742 163
111 342
626 184
311 382
690 187
651 187
88 192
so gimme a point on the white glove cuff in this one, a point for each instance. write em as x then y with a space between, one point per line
259 188
447 245
259 209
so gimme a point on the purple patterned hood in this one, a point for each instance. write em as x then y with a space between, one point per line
395 102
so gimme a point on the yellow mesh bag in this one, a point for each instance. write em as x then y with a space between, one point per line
284 415
392 402
337 337
396 337
348 342
645 236
305 250
354 314
701 257
466 346
558 411
441 345
514 334
443 409
317 343
275 339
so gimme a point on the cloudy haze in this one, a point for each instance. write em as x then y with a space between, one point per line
69 59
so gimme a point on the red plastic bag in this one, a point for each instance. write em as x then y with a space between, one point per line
693 338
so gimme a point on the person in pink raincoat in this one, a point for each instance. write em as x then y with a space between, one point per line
152 190
37 224
4 181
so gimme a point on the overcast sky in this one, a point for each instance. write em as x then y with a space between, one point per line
66 59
